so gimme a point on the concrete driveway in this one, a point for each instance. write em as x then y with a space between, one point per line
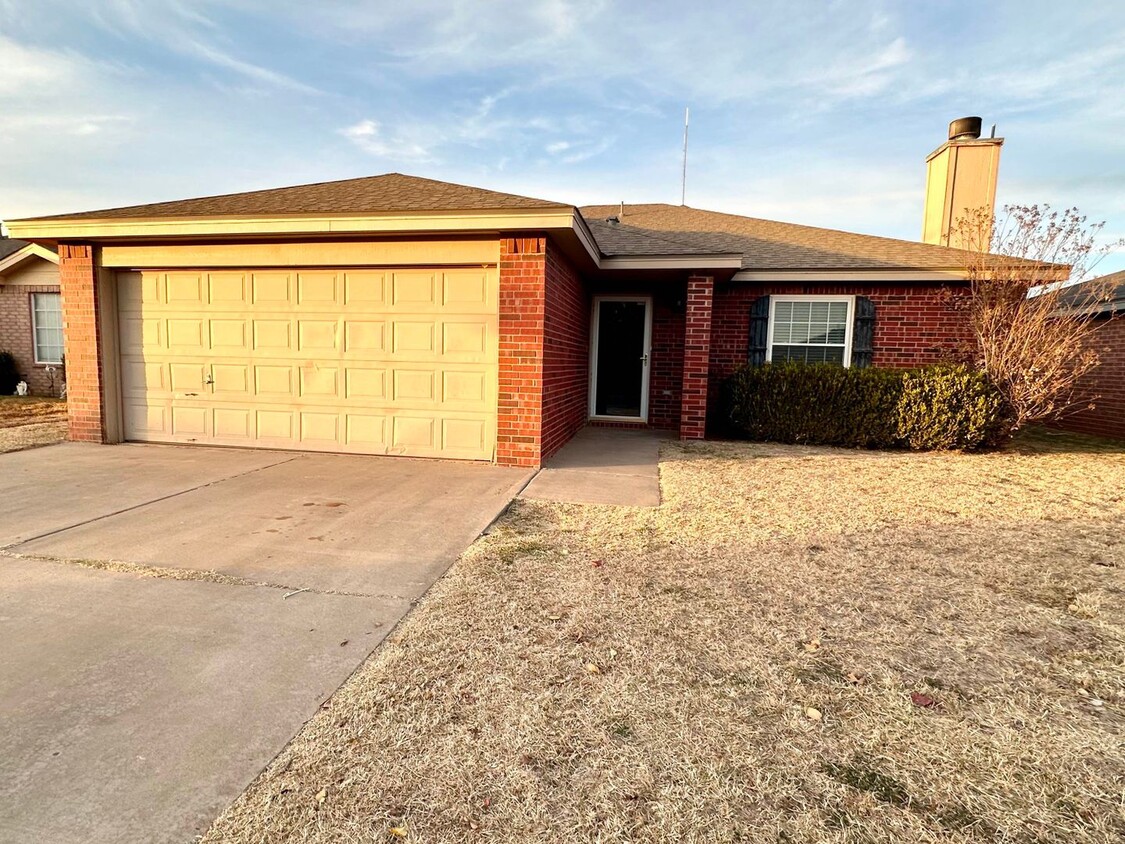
170 617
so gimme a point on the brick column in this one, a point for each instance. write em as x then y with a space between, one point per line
523 286
81 323
697 355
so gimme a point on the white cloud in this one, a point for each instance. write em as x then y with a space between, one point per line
369 137
557 147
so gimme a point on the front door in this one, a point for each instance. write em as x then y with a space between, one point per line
621 337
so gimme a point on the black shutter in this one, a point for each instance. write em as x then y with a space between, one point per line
759 329
863 332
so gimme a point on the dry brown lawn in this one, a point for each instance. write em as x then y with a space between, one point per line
28 421
800 645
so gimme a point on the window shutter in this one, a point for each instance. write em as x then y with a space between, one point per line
759 329
863 332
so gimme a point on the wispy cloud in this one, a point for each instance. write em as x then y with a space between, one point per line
368 136
251 71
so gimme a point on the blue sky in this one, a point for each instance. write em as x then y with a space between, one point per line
815 112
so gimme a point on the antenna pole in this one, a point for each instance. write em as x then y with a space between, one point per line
683 174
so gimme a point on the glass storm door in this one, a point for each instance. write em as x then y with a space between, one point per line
621 340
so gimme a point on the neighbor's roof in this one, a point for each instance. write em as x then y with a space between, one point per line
389 193
764 244
1105 295
9 246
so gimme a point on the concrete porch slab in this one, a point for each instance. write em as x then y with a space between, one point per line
603 466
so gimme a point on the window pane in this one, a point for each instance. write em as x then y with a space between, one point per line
839 311
781 333
801 311
818 311
818 333
783 311
47 326
799 333
836 335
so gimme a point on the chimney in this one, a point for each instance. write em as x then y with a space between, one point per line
960 178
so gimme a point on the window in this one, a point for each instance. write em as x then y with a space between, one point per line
47 327
811 329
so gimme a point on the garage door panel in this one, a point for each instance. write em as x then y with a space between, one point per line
468 291
413 338
399 361
187 377
271 288
189 423
273 381
226 289
364 288
273 335
227 335
362 338
183 289
320 382
231 424
414 291
317 289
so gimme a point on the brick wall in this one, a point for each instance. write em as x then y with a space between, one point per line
1105 385
697 351
915 324
566 344
77 277
16 336
523 277
666 378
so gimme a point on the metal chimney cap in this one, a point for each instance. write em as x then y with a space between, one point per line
965 129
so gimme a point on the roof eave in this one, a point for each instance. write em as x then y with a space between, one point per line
93 228
32 250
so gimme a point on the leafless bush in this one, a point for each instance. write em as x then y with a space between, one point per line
1034 346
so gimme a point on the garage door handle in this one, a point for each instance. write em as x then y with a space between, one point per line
209 380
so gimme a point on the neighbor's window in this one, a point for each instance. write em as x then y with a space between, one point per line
46 323
810 329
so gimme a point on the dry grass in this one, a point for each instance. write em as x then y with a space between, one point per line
27 410
31 421
739 665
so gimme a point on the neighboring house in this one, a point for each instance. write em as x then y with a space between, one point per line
31 312
401 315
1105 384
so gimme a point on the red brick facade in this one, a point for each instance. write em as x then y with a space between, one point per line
544 342
84 373
915 324
697 356
1105 385
566 354
16 335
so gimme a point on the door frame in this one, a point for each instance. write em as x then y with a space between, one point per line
646 369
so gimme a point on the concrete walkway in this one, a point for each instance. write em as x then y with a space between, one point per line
170 616
603 466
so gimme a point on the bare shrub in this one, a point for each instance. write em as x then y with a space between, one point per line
1033 347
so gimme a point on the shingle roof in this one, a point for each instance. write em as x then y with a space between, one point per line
1108 298
764 244
389 193
8 245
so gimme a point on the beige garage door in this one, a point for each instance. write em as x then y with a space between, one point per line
400 361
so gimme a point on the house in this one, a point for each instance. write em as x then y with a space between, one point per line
1105 384
401 315
31 325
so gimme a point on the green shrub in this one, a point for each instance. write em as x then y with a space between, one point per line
951 407
816 404
939 407
9 374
